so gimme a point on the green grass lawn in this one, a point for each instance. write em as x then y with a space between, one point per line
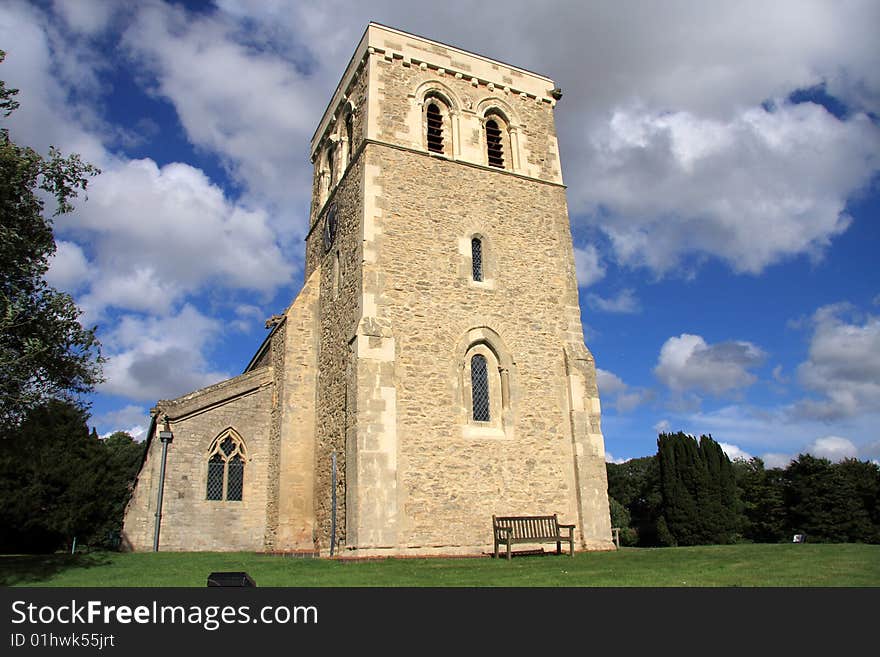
783 565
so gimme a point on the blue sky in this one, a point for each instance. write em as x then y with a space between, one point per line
721 161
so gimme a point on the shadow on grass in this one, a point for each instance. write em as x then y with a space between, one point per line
36 569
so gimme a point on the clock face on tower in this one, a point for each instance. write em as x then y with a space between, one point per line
329 227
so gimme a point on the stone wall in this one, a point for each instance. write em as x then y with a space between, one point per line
340 309
422 475
189 521
453 476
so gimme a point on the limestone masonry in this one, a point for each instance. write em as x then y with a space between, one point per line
435 349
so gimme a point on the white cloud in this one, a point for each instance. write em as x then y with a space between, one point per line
733 452
775 460
249 317
689 363
613 390
778 435
833 448
86 17
588 265
778 376
663 426
152 358
625 302
160 234
676 185
250 106
609 458
843 363
68 268
156 236
132 419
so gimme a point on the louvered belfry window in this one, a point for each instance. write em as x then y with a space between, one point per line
226 463
435 129
480 388
494 147
477 258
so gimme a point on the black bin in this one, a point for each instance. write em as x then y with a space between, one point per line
230 579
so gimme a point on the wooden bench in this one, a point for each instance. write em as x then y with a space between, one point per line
531 529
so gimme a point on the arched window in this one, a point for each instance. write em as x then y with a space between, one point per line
434 121
486 403
331 163
349 134
226 461
477 258
480 388
494 144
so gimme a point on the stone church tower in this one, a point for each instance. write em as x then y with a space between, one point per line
435 353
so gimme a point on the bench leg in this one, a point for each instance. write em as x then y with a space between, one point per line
558 547
508 550
571 546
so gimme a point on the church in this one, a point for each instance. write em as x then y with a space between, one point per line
432 371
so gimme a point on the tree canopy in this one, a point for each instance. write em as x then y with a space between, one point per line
44 350
58 481
690 493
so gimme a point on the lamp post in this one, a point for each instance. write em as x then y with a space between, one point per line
166 437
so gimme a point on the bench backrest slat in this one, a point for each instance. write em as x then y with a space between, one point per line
525 527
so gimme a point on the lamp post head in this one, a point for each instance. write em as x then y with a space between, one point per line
165 435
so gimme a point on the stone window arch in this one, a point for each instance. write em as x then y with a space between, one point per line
439 118
437 125
500 122
496 139
331 152
226 459
487 381
484 385
478 266
346 136
325 174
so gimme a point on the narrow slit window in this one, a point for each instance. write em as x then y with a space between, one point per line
477 258
494 146
480 388
435 129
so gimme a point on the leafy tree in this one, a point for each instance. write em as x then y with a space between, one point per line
863 478
621 519
721 506
47 479
59 481
44 351
683 483
120 458
636 485
698 488
763 511
828 501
